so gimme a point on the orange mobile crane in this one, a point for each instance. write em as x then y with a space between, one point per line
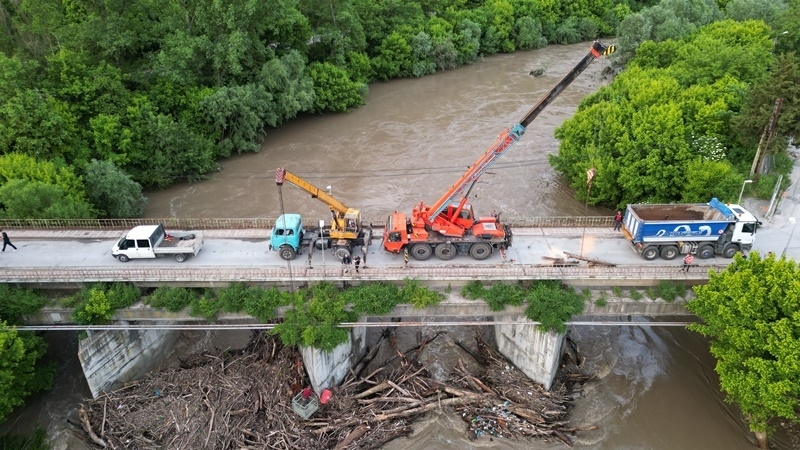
449 227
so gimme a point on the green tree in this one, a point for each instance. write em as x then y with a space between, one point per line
333 88
766 10
24 199
751 314
24 167
112 191
21 371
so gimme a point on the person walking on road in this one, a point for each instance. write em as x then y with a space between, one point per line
618 221
687 262
7 241
357 262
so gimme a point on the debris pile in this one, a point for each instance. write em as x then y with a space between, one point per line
243 400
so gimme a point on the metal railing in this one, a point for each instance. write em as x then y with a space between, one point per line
180 275
266 223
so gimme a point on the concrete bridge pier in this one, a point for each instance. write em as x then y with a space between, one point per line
536 353
111 358
328 369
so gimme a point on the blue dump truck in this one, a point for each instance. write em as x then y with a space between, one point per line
703 229
289 238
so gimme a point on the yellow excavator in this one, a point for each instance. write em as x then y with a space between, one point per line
345 234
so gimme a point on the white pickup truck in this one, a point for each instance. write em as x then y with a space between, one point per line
151 241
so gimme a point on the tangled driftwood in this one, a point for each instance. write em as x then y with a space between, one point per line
242 400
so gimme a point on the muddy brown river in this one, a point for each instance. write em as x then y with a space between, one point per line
656 387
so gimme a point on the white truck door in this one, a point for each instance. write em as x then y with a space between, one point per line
144 249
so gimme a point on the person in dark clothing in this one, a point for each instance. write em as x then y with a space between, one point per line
346 263
618 221
7 241
357 262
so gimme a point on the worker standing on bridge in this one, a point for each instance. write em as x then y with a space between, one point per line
357 262
687 262
7 241
618 221
346 263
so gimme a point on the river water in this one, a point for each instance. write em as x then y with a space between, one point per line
656 387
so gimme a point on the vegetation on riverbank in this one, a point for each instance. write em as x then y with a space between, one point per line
99 100
751 313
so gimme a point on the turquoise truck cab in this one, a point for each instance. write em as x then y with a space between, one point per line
287 236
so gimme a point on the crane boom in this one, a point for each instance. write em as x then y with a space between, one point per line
282 175
460 190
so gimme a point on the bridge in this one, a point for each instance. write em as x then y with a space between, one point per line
577 251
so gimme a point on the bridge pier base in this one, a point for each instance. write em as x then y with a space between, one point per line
327 369
110 358
536 353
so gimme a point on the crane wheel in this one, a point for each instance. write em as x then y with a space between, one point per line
445 251
480 251
421 252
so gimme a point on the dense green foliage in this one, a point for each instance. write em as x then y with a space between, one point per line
664 130
22 372
149 94
751 314
548 302
96 304
18 302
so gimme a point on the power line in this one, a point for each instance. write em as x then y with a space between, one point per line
267 326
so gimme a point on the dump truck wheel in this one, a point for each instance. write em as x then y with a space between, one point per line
650 253
730 250
669 252
705 252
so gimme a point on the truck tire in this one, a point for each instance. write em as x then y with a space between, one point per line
421 252
669 252
446 251
287 253
730 250
341 253
180 257
705 252
650 253
123 258
480 251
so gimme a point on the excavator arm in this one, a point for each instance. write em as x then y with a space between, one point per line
458 193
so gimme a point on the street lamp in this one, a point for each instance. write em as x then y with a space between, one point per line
742 191
322 241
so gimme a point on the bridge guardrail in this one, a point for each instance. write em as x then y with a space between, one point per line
266 223
305 273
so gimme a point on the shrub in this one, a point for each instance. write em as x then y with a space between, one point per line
95 309
600 302
172 298
635 295
122 295
473 290
372 298
16 302
205 306
501 294
552 304
419 296
669 290
617 291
